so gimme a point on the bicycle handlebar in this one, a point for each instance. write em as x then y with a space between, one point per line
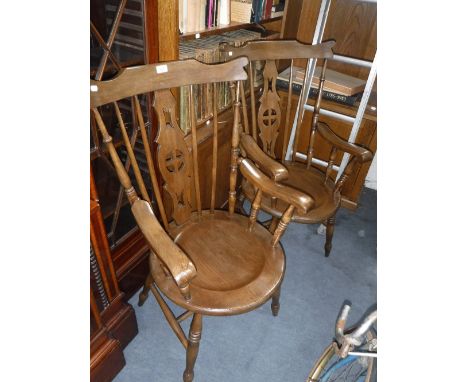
348 341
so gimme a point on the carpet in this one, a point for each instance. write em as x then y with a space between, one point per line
257 346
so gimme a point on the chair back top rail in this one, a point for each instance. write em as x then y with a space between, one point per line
279 50
146 78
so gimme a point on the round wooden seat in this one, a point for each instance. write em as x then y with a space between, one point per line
310 181
237 270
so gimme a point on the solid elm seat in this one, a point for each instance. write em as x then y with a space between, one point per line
237 270
309 181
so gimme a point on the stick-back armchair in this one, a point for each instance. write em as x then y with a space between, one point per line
262 119
209 262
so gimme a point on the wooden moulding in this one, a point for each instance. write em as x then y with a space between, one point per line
120 320
107 358
148 78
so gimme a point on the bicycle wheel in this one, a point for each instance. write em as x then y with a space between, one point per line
331 368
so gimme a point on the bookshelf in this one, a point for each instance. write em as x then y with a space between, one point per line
270 23
168 29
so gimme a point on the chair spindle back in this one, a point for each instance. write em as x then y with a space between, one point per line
177 163
268 117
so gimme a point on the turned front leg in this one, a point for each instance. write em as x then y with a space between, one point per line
193 344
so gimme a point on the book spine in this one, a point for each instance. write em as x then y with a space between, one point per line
215 13
210 14
259 14
254 10
225 12
185 14
268 6
202 18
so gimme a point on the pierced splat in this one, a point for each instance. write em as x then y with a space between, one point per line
269 112
173 157
175 161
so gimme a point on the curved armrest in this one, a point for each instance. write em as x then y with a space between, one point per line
180 266
361 154
288 194
275 170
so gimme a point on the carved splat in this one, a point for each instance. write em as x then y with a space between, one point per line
173 157
269 113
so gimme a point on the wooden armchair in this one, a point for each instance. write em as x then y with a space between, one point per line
208 261
266 118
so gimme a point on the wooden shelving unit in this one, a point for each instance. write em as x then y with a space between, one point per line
226 28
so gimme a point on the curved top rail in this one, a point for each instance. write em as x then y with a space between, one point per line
147 78
279 50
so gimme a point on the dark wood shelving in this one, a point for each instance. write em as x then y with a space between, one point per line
226 28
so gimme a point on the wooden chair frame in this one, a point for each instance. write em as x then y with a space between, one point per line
266 117
173 273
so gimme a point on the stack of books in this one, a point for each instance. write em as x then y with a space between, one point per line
337 87
254 11
207 50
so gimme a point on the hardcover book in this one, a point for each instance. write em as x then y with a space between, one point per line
335 82
328 92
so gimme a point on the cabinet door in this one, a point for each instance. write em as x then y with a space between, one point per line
123 34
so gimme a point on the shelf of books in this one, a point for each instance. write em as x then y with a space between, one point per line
207 50
199 18
207 24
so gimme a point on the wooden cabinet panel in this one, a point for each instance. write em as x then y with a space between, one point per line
351 23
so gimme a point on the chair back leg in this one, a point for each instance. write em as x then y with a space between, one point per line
275 304
329 234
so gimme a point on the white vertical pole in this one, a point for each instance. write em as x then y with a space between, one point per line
360 113
319 29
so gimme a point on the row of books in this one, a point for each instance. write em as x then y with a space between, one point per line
207 50
254 11
196 15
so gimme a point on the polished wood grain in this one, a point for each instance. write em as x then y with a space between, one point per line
298 175
351 23
146 78
168 30
280 49
207 261
291 196
274 169
237 270
181 267
174 160
193 345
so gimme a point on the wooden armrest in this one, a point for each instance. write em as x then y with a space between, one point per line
361 154
288 194
176 261
275 170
